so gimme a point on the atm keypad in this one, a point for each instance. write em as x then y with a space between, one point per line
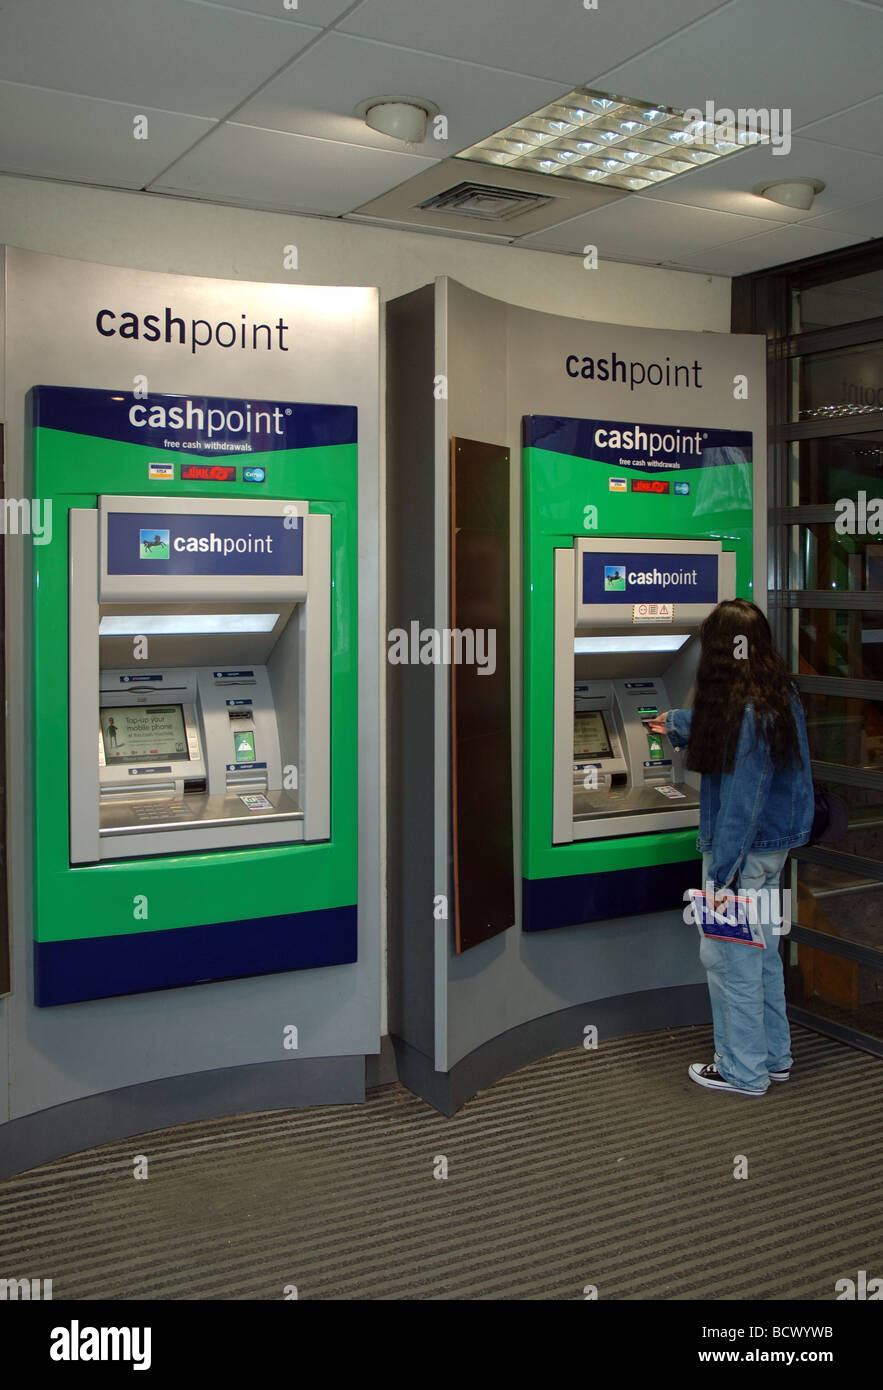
163 811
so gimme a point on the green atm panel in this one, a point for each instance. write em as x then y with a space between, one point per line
633 533
194 690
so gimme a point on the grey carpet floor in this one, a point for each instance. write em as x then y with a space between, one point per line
606 1169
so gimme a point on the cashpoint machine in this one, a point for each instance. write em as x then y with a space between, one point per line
194 691
624 560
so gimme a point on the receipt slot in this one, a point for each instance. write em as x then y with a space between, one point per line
195 691
634 531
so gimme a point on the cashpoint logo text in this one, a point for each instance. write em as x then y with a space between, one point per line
663 578
652 443
213 544
195 334
431 646
210 422
635 373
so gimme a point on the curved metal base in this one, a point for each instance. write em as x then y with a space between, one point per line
614 1018
84 1124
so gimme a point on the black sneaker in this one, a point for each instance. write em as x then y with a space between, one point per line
773 1075
710 1077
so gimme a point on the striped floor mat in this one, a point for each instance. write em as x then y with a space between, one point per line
605 1170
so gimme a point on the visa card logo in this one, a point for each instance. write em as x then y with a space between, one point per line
618 485
157 471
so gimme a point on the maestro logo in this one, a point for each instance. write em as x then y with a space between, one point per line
614 578
153 545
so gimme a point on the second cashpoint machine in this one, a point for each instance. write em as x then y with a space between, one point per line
633 533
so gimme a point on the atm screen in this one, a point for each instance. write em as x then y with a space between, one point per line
590 737
140 733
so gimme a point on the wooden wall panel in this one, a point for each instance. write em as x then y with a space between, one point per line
5 969
481 721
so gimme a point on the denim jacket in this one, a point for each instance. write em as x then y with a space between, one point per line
754 807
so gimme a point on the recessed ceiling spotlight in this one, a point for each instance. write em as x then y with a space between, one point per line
646 143
402 118
791 193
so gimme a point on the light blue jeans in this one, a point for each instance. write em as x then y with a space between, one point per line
747 988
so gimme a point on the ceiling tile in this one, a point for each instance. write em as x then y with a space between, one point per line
860 128
316 95
314 12
262 168
59 136
171 55
812 57
849 177
864 221
561 42
636 229
774 247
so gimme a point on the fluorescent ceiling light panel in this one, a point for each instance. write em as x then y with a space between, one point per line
663 642
577 137
184 624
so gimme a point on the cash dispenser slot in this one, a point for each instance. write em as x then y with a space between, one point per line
156 791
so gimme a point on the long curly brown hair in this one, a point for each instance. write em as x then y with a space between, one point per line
739 664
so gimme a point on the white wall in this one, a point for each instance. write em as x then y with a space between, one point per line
146 231
150 232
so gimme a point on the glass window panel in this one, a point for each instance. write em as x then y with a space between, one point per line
865 834
865 1016
865 815
845 731
842 384
843 301
833 642
840 904
821 558
825 470
828 385
850 908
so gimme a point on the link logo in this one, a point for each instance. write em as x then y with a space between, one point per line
207 473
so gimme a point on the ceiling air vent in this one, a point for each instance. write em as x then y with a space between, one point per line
481 201
485 202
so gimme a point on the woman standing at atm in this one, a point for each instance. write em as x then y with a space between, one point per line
746 734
